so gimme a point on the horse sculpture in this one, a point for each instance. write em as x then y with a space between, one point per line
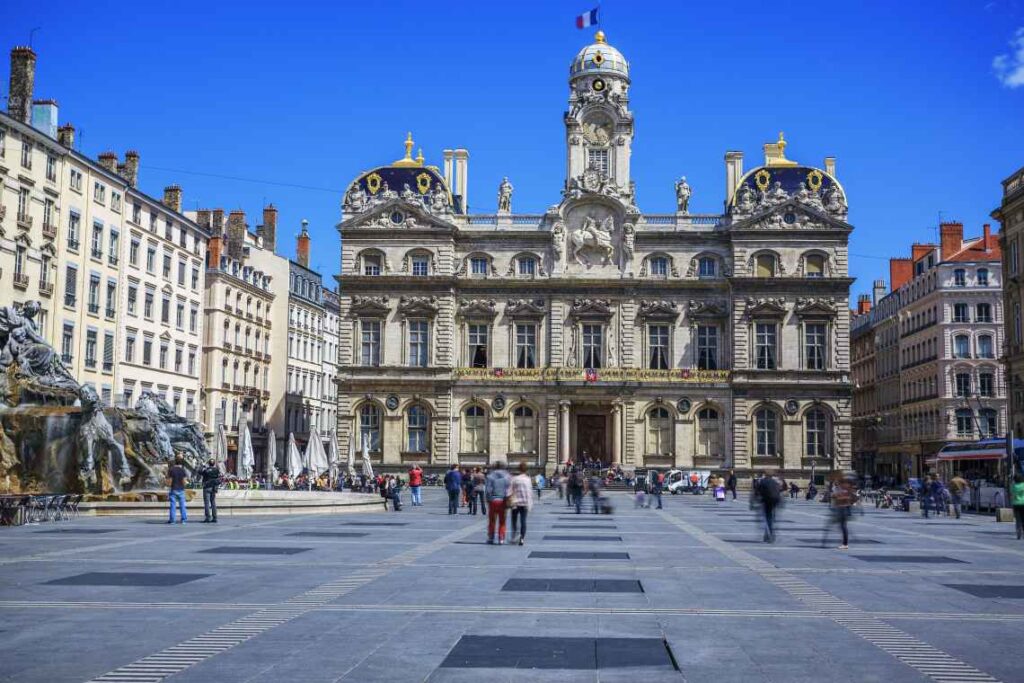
96 437
593 236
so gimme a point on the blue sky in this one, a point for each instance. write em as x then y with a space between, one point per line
922 103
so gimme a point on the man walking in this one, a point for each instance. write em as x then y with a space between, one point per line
768 493
478 491
176 477
843 498
574 489
453 485
211 482
730 483
497 489
415 482
657 484
957 487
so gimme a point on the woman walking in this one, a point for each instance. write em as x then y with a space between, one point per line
843 497
522 495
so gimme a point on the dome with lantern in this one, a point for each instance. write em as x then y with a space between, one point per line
408 173
599 58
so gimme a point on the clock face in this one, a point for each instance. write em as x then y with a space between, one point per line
392 402
397 217
597 85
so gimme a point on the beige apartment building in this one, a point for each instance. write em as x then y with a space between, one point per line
1010 215
331 326
305 409
99 254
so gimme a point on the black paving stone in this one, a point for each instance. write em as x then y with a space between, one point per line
835 535
610 527
77 531
557 653
331 534
989 590
570 555
914 559
126 579
376 523
556 537
574 585
254 550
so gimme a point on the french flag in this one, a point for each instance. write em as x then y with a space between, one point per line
588 19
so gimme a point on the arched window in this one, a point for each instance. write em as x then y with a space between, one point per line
988 420
765 265
960 277
526 265
659 266
708 431
816 433
766 432
814 265
961 346
369 427
524 438
985 347
418 424
707 266
965 423
474 427
659 431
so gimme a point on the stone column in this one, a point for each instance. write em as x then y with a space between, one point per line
563 418
617 433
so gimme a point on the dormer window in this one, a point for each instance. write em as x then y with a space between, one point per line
765 265
814 266
478 266
420 265
372 264
983 277
659 266
707 267
960 277
526 266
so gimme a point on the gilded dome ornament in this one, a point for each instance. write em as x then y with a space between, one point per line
373 182
763 178
814 179
423 183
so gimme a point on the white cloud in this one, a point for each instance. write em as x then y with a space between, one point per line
1009 67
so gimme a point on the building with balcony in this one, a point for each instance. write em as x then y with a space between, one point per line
593 329
1010 215
305 408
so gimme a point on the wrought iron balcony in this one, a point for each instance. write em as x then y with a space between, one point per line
21 280
50 231
46 288
24 221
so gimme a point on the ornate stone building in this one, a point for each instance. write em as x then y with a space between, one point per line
593 328
1010 215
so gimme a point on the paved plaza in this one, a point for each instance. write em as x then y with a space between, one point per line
686 593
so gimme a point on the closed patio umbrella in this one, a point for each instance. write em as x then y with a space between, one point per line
271 455
315 456
367 466
293 460
333 455
352 455
245 463
220 448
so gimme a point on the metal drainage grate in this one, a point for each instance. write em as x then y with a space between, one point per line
579 654
556 537
574 585
610 527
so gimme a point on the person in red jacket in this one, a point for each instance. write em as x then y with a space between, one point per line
415 482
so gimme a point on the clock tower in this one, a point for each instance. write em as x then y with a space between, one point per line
599 125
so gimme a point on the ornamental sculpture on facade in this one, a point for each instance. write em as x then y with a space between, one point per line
683 194
505 196
593 236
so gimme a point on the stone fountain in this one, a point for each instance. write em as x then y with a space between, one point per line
57 435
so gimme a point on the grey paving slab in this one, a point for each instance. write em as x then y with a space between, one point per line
147 579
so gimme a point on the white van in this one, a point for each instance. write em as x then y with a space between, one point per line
679 480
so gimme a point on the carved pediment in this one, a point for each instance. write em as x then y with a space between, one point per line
418 306
591 308
706 309
766 306
376 306
396 214
658 310
791 215
23 238
48 248
478 308
813 305
525 308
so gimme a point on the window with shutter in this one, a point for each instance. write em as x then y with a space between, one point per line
108 351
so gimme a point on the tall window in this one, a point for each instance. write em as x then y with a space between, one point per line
659 431
964 422
369 427
371 264
708 430
478 335
659 266
1016 322
707 267
764 265
962 385
74 226
370 343
814 266
961 346
983 313
815 336
598 159
478 265
657 347
523 431
986 385
475 427
765 337
816 433
418 423
988 421
707 347
982 277
593 346
960 277
418 342
67 343
961 313
527 266
766 432
90 348
420 265
526 345
97 240
985 349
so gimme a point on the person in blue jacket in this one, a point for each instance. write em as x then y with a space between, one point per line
453 485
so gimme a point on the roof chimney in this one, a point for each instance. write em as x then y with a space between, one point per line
131 170
900 272
214 248
989 243
733 173
203 217
918 251
302 245
863 304
268 231
172 197
218 221
108 160
66 135
22 84
951 236
448 167
830 166
877 292
44 117
462 177
236 234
